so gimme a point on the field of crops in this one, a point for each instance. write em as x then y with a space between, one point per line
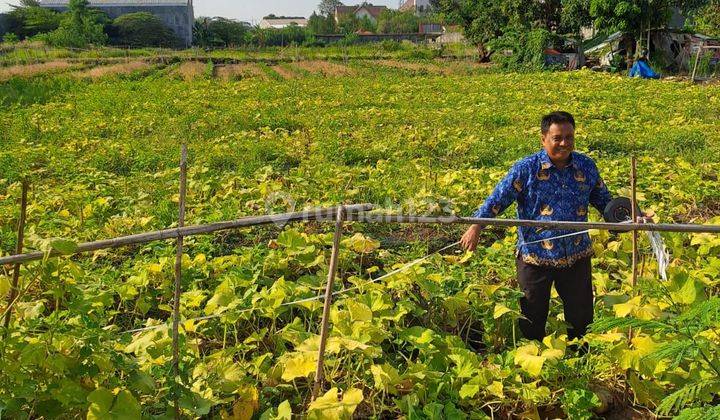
101 147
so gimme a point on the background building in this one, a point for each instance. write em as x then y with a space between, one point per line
282 22
360 11
178 15
417 6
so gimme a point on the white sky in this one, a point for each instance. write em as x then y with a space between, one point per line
251 10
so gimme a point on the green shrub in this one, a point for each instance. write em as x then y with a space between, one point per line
143 30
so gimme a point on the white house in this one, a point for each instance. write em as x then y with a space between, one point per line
365 10
282 22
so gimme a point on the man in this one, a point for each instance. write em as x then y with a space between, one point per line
556 183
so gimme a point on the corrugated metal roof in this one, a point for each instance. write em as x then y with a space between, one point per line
107 3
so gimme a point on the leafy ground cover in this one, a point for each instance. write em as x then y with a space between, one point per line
435 341
37 52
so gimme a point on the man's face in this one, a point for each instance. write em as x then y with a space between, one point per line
559 141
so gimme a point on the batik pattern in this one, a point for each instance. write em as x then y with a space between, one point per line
544 192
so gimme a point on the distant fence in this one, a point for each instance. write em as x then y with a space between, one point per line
368 38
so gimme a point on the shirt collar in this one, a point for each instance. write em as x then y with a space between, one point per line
546 163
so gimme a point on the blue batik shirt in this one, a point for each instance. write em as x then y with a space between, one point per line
544 192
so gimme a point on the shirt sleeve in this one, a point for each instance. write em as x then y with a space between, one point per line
504 194
600 195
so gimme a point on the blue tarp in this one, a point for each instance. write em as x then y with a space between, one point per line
642 69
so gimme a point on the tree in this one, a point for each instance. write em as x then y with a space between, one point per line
707 19
143 29
396 22
79 27
327 7
481 20
319 24
28 19
634 17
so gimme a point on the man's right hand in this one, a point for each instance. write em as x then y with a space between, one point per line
470 239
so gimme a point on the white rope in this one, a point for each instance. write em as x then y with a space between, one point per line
552 238
311 299
660 252
658 246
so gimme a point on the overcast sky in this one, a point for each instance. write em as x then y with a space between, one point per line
250 10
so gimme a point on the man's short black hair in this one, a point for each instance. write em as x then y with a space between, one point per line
557 117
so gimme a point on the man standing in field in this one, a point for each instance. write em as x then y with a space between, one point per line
558 184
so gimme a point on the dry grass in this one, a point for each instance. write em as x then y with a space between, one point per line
31 70
239 71
115 69
190 70
324 68
284 72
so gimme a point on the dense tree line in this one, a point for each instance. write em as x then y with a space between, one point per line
81 26
524 27
528 27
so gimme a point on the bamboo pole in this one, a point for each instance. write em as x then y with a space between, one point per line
324 325
324 214
178 278
697 60
621 227
18 250
633 186
633 207
318 214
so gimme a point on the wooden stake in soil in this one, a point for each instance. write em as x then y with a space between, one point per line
633 185
633 206
319 374
18 250
178 276
697 60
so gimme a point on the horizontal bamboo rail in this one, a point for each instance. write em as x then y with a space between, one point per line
356 213
319 214
547 224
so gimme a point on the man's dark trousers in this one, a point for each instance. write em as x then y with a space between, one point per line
574 286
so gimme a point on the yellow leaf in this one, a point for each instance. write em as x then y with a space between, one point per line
385 377
64 213
496 389
500 310
199 260
189 325
4 286
527 358
624 309
299 365
361 244
246 404
331 407
284 411
359 311
555 347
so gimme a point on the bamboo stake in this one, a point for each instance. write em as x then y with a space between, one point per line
633 206
18 250
697 60
318 214
178 278
319 373
633 186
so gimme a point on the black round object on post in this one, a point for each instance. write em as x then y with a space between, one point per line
619 210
